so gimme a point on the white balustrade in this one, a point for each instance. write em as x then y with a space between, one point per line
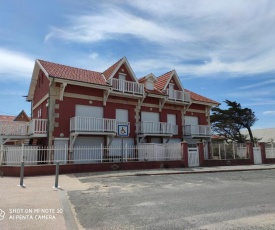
178 95
126 86
38 126
157 128
13 128
92 124
201 130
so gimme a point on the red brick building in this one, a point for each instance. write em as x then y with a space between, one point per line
81 107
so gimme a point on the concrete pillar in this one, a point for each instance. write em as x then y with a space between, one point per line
184 152
201 153
263 154
249 150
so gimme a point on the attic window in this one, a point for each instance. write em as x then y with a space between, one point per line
149 84
122 76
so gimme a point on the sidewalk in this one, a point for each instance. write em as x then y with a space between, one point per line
40 206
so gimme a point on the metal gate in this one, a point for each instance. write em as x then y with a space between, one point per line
257 156
193 157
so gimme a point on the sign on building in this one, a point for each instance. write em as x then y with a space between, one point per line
123 130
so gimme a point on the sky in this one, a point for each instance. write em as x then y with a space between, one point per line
221 49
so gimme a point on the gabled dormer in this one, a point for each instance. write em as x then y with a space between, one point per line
122 79
148 81
170 84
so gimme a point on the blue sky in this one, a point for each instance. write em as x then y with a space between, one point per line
220 49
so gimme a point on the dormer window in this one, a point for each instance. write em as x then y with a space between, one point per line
149 84
122 76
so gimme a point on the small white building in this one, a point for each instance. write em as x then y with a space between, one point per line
265 135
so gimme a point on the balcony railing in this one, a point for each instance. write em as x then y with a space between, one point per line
13 128
38 126
178 95
20 128
126 86
150 127
197 130
92 124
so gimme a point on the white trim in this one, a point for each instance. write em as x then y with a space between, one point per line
41 101
61 138
124 61
62 90
78 83
178 82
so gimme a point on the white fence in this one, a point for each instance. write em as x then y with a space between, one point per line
32 155
229 151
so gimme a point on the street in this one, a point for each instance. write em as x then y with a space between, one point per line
225 200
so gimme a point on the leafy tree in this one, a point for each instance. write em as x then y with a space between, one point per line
229 122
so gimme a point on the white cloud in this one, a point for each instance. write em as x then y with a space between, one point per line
220 37
262 83
272 112
115 22
15 65
93 55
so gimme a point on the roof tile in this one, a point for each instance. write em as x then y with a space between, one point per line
7 118
162 80
72 73
108 72
197 97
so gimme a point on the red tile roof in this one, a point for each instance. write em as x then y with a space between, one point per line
108 72
155 91
142 79
7 118
162 80
197 97
72 73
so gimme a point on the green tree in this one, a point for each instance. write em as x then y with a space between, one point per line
229 122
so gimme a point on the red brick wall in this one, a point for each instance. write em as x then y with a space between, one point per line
42 87
78 168
128 77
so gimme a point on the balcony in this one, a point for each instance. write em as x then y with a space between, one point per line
126 86
92 124
197 130
18 128
178 95
150 127
13 128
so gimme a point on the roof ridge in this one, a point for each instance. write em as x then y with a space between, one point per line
69 66
166 73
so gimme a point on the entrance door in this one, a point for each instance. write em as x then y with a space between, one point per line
193 157
61 150
257 156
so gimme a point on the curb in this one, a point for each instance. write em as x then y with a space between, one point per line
184 172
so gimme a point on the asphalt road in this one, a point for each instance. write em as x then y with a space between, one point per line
229 200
